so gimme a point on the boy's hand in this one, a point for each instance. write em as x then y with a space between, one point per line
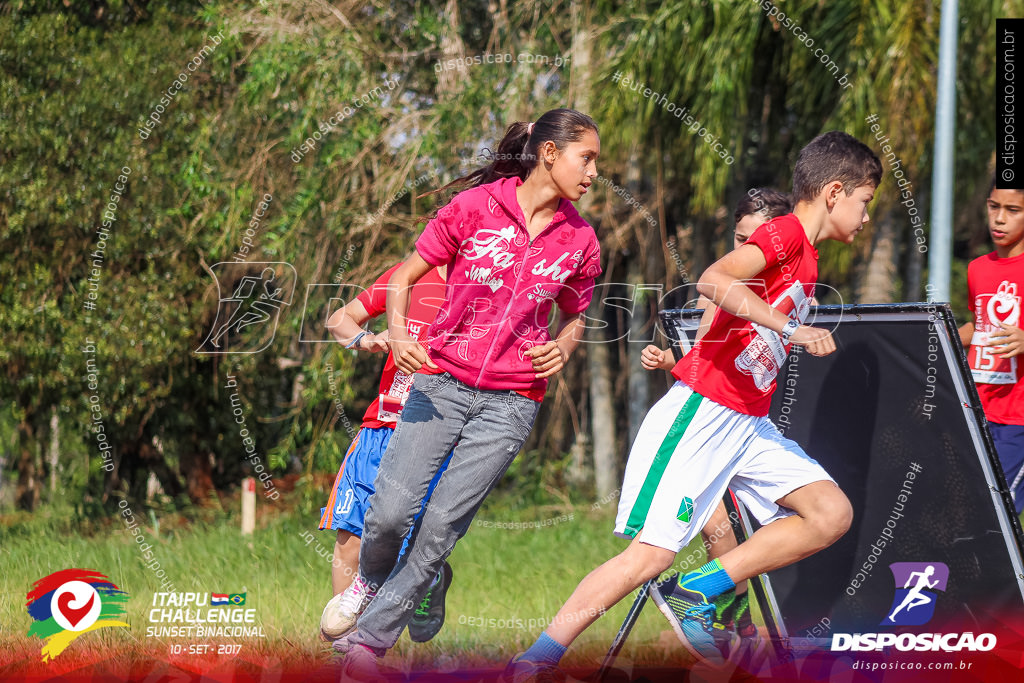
547 359
1009 341
375 343
409 355
817 341
653 358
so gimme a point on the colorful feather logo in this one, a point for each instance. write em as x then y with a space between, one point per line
68 603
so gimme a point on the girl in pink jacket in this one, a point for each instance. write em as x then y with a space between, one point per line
514 246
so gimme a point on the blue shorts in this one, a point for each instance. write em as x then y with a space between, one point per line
349 501
1009 441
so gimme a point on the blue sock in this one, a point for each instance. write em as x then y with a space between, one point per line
546 650
711 580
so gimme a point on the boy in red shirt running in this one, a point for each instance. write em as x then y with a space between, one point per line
758 206
711 431
995 341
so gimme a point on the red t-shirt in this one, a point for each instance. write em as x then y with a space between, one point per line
736 362
425 299
994 288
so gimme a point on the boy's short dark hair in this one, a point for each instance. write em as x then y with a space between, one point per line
992 186
830 157
766 200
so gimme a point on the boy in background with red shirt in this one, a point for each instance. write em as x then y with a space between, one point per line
349 499
711 431
995 341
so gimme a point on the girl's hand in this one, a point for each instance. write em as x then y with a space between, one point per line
409 355
547 359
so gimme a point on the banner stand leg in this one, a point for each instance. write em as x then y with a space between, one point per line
627 626
756 584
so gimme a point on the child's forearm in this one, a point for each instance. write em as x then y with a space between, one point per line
570 335
705 320
733 296
343 326
397 306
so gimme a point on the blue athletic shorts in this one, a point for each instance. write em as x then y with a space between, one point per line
349 501
1009 440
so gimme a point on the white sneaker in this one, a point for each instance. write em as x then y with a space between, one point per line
360 664
341 613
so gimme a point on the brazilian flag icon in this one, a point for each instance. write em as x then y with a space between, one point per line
237 599
685 510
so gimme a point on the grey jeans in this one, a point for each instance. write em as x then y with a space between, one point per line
490 428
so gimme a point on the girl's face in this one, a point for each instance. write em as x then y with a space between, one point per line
574 167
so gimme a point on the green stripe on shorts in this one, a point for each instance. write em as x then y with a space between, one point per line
638 515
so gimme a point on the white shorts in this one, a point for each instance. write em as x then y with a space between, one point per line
688 451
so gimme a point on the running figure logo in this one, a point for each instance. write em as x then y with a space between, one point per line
253 309
917 584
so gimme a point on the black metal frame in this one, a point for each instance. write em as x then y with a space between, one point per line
937 312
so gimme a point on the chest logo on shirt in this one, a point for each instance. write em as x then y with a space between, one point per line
765 354
493 249
1004 305
491 243
1001 307
554 271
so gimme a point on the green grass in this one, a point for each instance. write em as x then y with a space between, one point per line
508 583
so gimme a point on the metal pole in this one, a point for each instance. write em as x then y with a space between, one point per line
941 243
627 626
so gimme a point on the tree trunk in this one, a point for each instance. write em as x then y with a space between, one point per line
54 455
27 492
452 47
639 334
196 465
641 329
602 416
878 284
602 405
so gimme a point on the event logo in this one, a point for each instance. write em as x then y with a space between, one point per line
202 615
68 603
916 586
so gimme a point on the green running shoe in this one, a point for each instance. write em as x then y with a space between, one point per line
694 621
428 618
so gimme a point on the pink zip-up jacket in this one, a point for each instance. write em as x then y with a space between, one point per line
500 285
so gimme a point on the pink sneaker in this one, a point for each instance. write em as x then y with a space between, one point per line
341 613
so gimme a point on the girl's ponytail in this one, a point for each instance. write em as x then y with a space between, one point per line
517 152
